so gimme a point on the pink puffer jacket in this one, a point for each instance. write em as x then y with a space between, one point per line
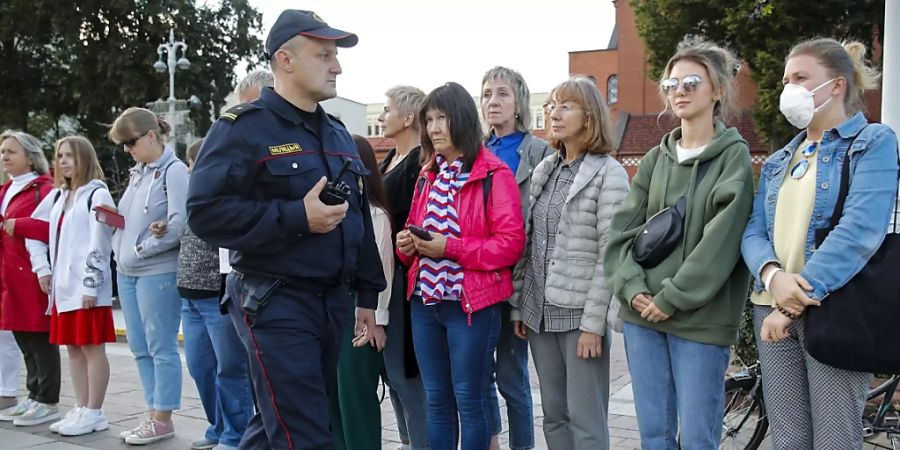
492 241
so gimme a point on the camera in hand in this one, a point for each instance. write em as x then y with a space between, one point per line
337 191
420 232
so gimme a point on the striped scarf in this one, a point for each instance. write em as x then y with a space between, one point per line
442 278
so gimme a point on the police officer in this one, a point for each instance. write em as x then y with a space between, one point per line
257 189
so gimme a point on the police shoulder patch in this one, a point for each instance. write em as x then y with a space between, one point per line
330 116
236 111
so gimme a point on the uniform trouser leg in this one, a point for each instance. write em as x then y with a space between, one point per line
810 405
10 364
293 342
574 391
356 411
42 365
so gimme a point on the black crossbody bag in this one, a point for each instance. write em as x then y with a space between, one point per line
662 232
857 327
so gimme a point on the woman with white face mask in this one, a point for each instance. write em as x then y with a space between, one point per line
811 404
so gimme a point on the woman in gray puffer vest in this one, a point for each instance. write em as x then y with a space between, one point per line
212 349
562 305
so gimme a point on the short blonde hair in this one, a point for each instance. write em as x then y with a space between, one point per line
135 121
597 136
408 100
721 66
847 60
87 166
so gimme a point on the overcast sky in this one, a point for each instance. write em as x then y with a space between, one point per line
424 43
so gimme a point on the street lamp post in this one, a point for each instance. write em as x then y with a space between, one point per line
171 50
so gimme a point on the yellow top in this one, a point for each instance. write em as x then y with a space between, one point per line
793 211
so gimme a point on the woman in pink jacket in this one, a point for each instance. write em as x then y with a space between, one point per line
463 234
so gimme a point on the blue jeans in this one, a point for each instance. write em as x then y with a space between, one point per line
513 382
152 309
676 381
216 361
407 393
456 360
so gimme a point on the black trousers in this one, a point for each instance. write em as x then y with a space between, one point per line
294 343
42 365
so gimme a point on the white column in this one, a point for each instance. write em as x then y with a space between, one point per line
890 88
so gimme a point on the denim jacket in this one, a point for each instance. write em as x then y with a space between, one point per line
867 210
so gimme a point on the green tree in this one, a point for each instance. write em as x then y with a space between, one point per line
73 66
760 32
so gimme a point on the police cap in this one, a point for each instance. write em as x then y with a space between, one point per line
293 22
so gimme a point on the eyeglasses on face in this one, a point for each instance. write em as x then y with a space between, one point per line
563 108
689 83
130 143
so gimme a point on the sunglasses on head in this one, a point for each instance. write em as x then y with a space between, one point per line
130 143
689 83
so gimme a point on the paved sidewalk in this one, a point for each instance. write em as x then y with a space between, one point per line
125 406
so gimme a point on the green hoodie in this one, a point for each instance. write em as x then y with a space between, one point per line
703 283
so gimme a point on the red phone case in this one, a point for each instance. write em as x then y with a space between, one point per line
109 217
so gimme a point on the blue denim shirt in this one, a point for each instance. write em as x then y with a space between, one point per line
867 210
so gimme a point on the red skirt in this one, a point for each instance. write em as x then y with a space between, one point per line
92 326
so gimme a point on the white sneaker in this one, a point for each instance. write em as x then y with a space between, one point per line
10 414
84 423
54 427
38 413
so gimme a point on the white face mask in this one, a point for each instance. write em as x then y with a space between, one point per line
799 105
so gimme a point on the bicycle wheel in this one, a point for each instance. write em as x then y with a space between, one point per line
745 424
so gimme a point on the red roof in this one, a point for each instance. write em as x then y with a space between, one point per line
381 145
644 132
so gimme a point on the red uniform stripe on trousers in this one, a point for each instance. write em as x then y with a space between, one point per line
268 384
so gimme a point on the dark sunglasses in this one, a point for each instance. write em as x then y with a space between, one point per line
689 83
130 143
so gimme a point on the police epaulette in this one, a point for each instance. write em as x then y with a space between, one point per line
235 111
330 116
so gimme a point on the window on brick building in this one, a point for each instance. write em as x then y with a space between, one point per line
374 128
538 119
612 89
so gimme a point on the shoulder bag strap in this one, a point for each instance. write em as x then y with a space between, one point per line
845 186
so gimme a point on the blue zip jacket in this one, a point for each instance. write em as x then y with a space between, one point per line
869 204
246 194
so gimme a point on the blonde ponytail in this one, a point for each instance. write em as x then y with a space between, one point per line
865 77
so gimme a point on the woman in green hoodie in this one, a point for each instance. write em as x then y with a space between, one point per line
681 314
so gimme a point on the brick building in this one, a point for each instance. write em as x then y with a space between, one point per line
623 76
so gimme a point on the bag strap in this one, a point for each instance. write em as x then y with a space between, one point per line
845 186
486 184
166 173
681 203
90 201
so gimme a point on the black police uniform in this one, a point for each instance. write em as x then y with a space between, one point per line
246 194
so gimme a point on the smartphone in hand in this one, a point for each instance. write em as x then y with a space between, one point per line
420 232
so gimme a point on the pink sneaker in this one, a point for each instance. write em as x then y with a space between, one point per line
151 431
